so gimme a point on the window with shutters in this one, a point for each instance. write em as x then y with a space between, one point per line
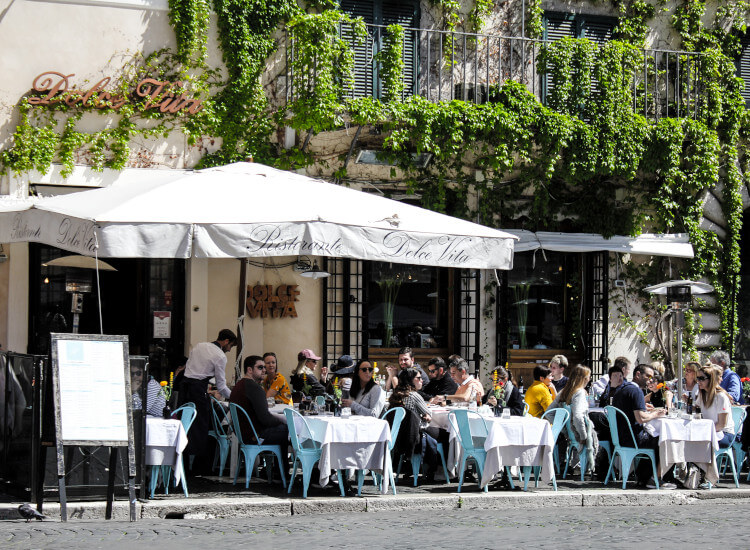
743 69
378 15
597 29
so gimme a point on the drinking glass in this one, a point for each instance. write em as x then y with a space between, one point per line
506 414
346 412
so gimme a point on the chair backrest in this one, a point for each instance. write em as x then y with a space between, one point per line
612 413
305 432
187 415
398 414
218 422
459 419
236 410
525 408
738 417
559 418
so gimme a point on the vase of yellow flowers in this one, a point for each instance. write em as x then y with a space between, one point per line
166 391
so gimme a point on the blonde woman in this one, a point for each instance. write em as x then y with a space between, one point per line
715 404
574 395
689 381
274 383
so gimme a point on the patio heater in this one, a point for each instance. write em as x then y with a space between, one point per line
679 298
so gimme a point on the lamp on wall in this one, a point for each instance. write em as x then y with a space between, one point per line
310 269
3 255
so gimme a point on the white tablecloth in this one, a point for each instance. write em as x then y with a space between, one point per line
682 440
518 441
165 441
357 442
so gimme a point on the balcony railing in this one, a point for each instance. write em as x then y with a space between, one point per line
443 66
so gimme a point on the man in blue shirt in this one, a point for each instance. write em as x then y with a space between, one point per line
629 399
730 380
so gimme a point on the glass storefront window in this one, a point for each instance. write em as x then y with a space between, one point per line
407 306
540 297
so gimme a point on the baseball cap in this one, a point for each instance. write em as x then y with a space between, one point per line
308 354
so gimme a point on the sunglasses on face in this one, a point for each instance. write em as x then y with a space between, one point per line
701 378
366 369
432 371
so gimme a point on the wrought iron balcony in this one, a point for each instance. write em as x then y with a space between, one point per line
444 65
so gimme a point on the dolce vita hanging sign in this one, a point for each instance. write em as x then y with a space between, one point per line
168 97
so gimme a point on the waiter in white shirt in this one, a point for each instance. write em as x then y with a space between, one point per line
207 360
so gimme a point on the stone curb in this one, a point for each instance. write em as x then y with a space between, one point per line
209 508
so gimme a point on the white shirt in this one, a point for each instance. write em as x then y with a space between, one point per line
720 405
601 384
207 360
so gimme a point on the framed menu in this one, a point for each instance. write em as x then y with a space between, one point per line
93 404
91 378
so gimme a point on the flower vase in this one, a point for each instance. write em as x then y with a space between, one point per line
167 412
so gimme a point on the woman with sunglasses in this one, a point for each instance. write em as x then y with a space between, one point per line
367 397
715 404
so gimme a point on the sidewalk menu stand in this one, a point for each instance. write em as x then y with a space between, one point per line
93 405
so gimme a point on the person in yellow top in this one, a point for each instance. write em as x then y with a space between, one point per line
274 383
541 393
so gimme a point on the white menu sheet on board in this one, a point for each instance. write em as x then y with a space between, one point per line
93 397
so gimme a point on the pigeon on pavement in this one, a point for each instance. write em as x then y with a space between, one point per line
29 513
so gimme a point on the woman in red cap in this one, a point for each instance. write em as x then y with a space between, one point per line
302 379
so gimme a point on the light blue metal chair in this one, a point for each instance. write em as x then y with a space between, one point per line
573 445
398 414
525 409
305 449
416 464
472 445
250 451
220 433
627 454
186 414
727 454
559 419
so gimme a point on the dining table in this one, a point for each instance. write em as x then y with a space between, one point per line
512 441
353 443
684 439
166 439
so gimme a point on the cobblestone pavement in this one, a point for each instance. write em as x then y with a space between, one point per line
705 526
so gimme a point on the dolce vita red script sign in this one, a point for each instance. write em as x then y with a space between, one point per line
166 96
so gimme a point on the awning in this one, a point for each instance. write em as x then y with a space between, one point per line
675 245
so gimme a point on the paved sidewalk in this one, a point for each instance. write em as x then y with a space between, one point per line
215 497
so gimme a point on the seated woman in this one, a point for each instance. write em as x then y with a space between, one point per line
658 394
303 380
406 395
574 395
367 398
541 393
509 398
689 382
274 383
715 403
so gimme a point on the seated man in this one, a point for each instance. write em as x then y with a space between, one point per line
405 361
468 386
441 382
250 395
557 366
599 419
541 393
629 399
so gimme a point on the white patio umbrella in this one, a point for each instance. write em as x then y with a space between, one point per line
248 210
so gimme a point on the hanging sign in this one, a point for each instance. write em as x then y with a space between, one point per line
265 301
162 324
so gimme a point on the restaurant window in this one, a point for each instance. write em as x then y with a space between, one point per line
410 306
379 14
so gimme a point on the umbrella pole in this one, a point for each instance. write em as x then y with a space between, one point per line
240 317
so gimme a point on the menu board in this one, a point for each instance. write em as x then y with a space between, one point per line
92 389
